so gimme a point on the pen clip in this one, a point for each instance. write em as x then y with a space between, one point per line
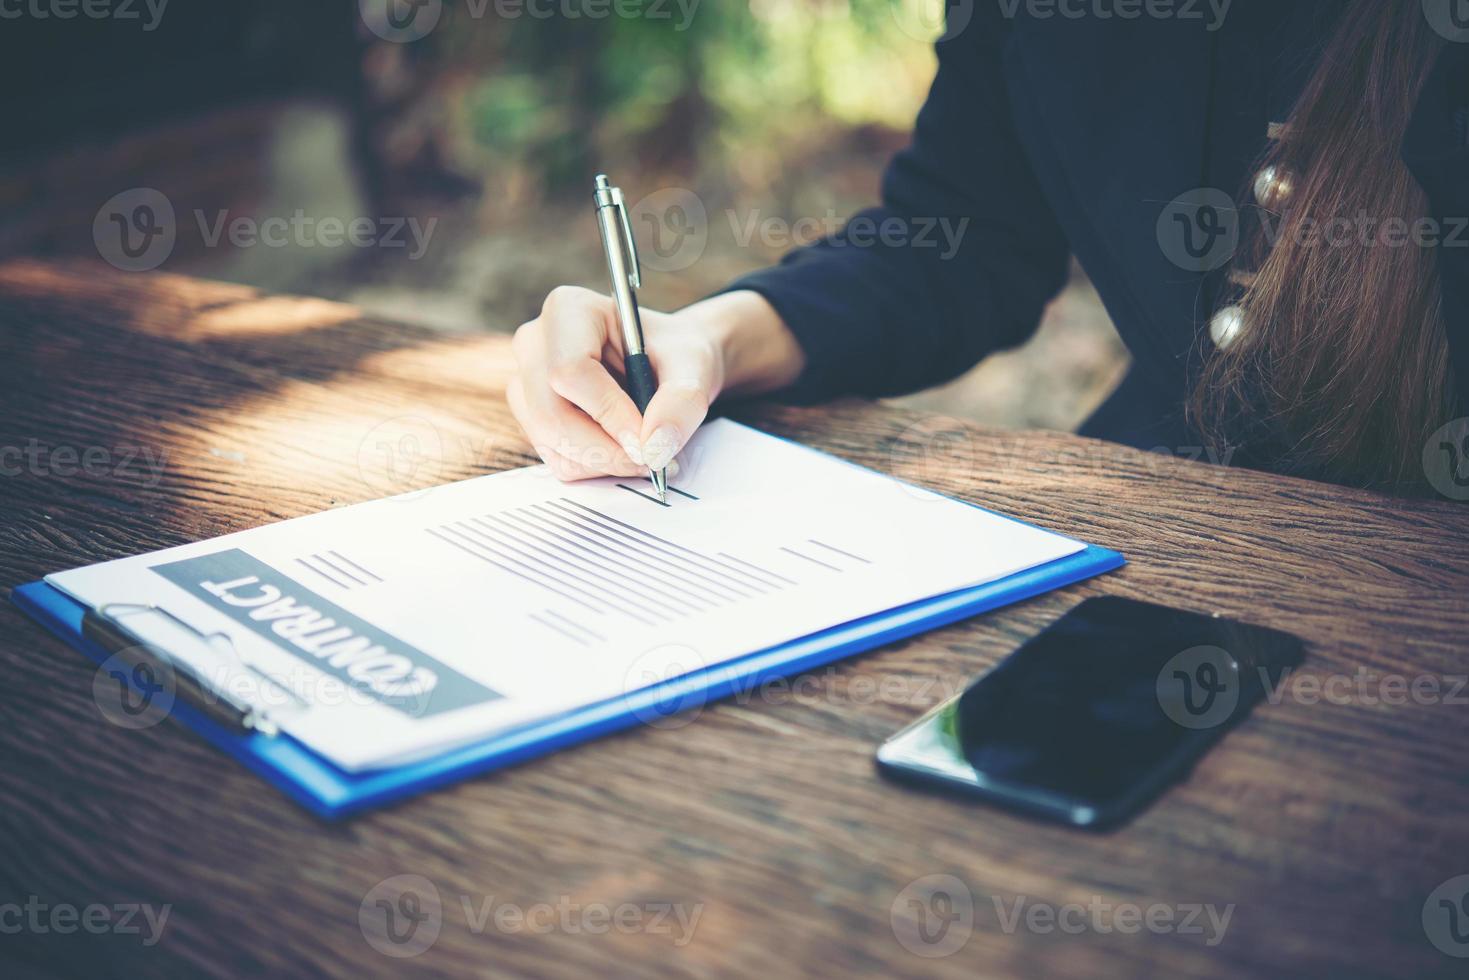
634 273
609 196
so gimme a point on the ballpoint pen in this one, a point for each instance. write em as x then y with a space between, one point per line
622 265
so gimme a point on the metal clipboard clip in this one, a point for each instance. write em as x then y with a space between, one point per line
105 626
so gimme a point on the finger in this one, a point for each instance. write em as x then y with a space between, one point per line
584 382
553 423
674 414
565 469
568 470
578 330
577 322
515 398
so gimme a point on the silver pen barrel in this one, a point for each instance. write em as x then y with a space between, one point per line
611 221
622 267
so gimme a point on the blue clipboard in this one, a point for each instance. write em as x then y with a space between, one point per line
332 793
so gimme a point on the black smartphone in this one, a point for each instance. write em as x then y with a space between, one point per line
1095 716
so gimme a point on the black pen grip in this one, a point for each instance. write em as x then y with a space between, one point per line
640 382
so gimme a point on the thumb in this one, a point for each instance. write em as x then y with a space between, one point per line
673 416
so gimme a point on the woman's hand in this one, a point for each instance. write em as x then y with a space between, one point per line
574 410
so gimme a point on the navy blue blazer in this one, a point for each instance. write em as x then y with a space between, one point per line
1056 137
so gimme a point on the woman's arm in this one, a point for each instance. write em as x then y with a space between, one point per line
959 260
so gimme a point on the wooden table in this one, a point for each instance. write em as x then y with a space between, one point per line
1326 822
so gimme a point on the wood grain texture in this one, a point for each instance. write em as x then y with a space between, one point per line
1326 825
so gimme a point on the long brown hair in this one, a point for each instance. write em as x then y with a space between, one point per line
1340 370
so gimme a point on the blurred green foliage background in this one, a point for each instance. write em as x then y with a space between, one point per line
724 90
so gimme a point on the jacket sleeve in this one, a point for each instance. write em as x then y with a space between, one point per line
1436 150
958 261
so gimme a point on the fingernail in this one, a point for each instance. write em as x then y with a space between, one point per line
658 450
673 468
630 446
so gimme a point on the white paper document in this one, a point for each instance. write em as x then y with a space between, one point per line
406 626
